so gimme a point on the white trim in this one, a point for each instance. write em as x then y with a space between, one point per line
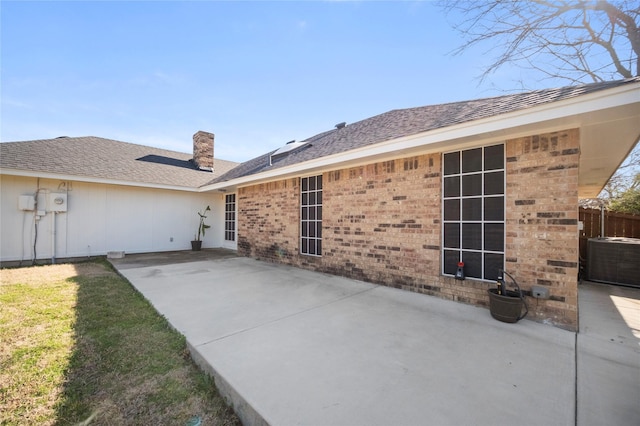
315 221
483 220
75 178
234 242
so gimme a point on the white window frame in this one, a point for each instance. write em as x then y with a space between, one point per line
230 218
482 221
306 221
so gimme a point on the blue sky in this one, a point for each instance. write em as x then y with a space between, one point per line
257 74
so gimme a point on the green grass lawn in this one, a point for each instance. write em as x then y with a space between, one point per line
79 344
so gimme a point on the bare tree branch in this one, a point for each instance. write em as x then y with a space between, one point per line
574 40
628 22
607 45
579 41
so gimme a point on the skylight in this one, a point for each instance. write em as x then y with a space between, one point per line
285 150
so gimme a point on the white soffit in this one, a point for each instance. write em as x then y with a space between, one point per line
604 146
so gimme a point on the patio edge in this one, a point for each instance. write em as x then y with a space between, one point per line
247 414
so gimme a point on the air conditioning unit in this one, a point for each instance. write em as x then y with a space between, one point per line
57 202
614 261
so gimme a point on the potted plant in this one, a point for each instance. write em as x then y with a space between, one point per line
196 244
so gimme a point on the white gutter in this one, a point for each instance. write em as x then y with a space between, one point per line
550 112
77 178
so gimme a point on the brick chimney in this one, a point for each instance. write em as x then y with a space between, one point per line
203 150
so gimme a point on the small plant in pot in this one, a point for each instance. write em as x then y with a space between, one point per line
196 244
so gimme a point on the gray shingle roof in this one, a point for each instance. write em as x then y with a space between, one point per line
404 122
94 157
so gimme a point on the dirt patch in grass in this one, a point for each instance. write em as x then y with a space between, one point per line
78 343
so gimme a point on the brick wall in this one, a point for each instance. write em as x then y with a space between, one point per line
542 221
268 220
382 224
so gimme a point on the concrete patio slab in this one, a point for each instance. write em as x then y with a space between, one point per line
608 355
290 346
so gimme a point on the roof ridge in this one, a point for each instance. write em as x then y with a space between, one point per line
108 159
99 138
124 142
397 123
529 92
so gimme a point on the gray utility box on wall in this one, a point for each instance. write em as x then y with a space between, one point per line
614 260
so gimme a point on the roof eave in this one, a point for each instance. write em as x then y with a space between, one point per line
88 179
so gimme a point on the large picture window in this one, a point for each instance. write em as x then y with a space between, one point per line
473 183
230 217
311 215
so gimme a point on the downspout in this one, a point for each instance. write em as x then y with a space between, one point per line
602 233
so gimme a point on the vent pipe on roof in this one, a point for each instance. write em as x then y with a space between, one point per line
203 150
341 125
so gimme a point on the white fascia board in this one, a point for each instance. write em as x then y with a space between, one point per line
75 178
558 115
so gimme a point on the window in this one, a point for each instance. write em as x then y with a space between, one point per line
473 211
311 215
230 217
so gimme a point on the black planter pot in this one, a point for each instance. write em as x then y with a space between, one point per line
506 308
196 245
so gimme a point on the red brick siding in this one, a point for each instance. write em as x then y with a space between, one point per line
542 221
268 220
381 223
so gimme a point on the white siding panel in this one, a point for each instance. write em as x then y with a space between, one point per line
101 218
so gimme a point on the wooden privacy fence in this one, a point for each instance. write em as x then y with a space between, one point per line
615 225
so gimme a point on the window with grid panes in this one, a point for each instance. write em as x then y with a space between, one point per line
311 215
473 187
230 217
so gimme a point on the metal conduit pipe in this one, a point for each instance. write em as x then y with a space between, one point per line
53 237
